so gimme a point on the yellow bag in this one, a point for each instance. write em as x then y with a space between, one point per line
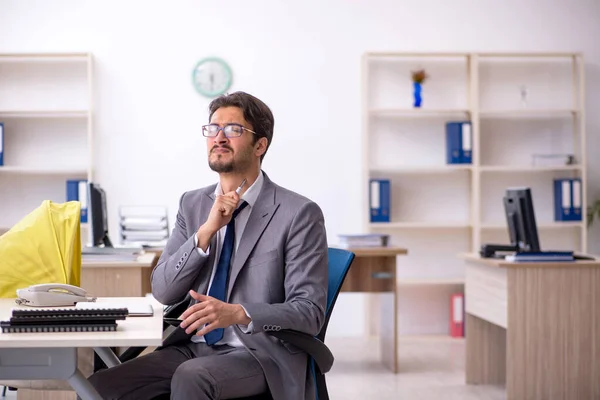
44 247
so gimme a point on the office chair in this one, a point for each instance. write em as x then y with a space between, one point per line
321 358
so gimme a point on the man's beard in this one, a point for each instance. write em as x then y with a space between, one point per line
242 163
221 166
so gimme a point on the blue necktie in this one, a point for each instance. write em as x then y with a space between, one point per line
219 283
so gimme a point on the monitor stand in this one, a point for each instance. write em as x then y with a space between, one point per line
106 241
492 250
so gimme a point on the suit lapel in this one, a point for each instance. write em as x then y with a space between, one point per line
259 218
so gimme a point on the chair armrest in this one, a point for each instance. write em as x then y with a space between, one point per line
176 310
311 345
173 311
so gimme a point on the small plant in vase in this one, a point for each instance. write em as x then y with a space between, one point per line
593 211
418 78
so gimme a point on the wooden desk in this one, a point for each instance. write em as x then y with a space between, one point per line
374 271
118 278
534 327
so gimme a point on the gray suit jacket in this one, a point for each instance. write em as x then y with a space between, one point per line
279 274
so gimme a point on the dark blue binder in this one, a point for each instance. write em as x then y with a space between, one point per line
576 195
77 191
459 142
1 144
563 200
379 200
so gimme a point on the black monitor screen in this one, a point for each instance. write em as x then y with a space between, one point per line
520 218
99 216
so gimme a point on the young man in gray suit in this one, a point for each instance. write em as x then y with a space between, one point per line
253 257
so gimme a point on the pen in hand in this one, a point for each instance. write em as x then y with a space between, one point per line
239 189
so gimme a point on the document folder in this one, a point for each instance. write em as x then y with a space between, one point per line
379 200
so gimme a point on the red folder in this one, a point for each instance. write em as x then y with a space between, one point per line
457 325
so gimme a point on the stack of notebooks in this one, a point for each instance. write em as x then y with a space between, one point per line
367 240
63 320
111 254
144 226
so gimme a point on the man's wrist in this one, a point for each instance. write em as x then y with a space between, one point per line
242 317
204 235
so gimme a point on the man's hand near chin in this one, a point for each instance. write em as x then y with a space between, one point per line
213 313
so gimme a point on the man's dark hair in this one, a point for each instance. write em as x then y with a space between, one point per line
257 113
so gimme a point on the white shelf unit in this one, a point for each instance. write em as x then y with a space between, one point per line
440 210
47 109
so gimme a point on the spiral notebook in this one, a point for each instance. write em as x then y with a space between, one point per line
63 320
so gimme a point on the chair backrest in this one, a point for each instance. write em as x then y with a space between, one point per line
339 264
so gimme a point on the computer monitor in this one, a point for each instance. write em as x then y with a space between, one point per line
520 219
99 216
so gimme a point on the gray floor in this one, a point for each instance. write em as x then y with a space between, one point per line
430 369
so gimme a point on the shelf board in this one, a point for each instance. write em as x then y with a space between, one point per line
420 225
417 112
528 113
527 168
384 54
541 225
528 55
44 114
43 57
42 171
433 169
430 281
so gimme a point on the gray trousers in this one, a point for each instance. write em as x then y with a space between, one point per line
189 371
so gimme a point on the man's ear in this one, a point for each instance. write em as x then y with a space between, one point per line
261 146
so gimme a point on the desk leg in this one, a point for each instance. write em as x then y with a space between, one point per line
485 352
388 331
108 356
83 387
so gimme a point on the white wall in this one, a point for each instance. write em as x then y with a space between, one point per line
301 58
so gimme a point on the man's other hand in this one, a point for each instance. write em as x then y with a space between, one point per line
210 314
219 216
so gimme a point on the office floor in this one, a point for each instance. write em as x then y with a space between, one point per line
430 369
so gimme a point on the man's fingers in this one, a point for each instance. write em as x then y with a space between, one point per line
192 310
227 204
198 323
208 328
195 294
202 297
233 196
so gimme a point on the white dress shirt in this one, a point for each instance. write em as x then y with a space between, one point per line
250 196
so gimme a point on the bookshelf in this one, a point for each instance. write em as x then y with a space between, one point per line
46 107
519 105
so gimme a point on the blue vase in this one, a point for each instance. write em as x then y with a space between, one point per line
417 94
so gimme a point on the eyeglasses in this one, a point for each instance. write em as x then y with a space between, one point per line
229 130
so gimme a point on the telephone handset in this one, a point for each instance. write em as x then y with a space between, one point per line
52 294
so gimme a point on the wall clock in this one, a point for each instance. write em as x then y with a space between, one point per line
211 77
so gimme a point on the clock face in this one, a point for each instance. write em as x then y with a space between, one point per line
211 77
